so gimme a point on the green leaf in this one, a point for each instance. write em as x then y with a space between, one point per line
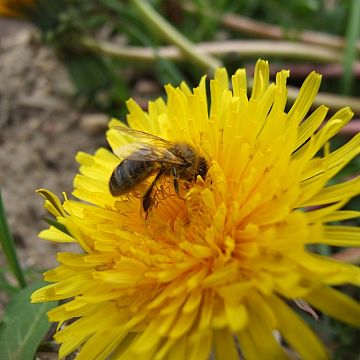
8 247
24 325
44 14
57 225
4 284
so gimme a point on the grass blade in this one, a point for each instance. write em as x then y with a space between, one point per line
350 54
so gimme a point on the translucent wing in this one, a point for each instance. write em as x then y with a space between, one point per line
147 147
147 152
144 137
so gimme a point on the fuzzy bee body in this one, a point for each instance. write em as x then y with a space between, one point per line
128 174
153 155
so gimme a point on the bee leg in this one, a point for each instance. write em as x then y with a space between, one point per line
147 201
176 187
176 182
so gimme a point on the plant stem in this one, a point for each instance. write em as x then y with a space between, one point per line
8 246
350 255
244 49
350 129
328 71
236 48
352 34
168 32
264 30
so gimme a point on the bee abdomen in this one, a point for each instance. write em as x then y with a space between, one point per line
128 174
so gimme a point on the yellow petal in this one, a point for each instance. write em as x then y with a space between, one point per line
257 340
261 79
224 345
341 215
237 317
296 332
101 345
332 302
311 124
200 347
334 193
54 234
52 203
341 236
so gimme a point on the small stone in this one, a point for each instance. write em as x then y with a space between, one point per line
94 124
146 87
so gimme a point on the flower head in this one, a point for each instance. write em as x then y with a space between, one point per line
15 8
214 268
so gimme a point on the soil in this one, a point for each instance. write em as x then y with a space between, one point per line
40 134
41 130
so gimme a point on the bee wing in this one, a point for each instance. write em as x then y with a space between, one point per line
142 136
146 152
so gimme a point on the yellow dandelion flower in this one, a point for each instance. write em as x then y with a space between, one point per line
215 268
15 8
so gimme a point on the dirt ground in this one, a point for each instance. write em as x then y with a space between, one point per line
40 133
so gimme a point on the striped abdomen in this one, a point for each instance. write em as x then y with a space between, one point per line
128 174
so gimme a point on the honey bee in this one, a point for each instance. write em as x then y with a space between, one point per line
150 155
